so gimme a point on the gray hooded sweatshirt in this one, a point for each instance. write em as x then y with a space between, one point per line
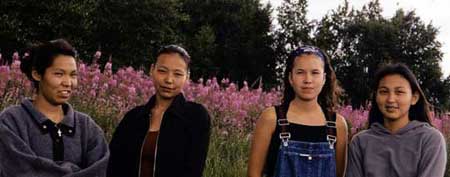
416 150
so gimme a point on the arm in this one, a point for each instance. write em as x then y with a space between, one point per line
97 153
341 145
355 166
265 126
199 135
434 156
116 146
18 159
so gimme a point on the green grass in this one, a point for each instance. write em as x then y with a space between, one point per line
227 155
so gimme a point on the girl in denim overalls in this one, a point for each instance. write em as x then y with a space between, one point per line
302 137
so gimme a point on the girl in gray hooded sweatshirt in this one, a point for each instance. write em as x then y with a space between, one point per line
400 141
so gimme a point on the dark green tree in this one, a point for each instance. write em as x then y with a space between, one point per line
25 22
294 30
241 49
359 41
133 31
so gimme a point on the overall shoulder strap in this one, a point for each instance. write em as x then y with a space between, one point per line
283 123
331 128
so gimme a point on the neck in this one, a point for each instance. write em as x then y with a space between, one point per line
162 103
306 106
53 112
394 125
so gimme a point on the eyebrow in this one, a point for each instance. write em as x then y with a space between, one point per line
164 67
400 87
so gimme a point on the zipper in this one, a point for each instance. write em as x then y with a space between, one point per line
156 152
142 148
156 146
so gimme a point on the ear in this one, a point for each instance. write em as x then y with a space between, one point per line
415 98
290 78
324 78
36 76
152 67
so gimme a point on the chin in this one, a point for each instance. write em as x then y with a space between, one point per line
58 102
168 96
391 117
307 98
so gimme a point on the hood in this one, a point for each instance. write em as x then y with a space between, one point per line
410 127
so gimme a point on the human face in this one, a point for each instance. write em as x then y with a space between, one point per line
58 81
394 97
307 77
169 75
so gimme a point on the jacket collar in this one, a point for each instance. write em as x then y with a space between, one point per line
175 108
67 124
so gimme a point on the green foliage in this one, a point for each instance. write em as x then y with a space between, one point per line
26 21
133 31
239 30
359 41
227 155
235 39
295 30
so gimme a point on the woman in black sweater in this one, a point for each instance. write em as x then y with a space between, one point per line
168 136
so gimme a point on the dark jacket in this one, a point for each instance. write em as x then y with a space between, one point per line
182 144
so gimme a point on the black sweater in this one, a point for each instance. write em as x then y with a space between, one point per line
182 144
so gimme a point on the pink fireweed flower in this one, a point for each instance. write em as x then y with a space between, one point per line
15 56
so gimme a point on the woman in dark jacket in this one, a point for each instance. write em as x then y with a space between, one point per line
168 136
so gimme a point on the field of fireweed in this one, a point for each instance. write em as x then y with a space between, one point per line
107 96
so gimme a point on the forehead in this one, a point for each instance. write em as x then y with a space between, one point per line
308 61
64 62
171 60
394 81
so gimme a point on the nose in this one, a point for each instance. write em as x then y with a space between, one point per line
391 97
307 79
169 78
67 81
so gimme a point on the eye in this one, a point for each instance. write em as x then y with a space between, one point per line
74 75
299 72
400 92
161 70
382 92
59 74
179 74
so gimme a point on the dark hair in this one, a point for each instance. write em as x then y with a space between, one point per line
420 111
328 97
175 49
41 56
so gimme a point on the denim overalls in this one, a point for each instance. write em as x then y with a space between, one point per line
305 159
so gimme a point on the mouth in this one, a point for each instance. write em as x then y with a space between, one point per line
65 93
307 88
167 89
391 108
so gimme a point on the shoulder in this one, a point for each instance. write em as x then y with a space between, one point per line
341 123
197 111
362 136
432 135
13 115
195 107
132 114
269 114
10 111
87 122
10 118
268 118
